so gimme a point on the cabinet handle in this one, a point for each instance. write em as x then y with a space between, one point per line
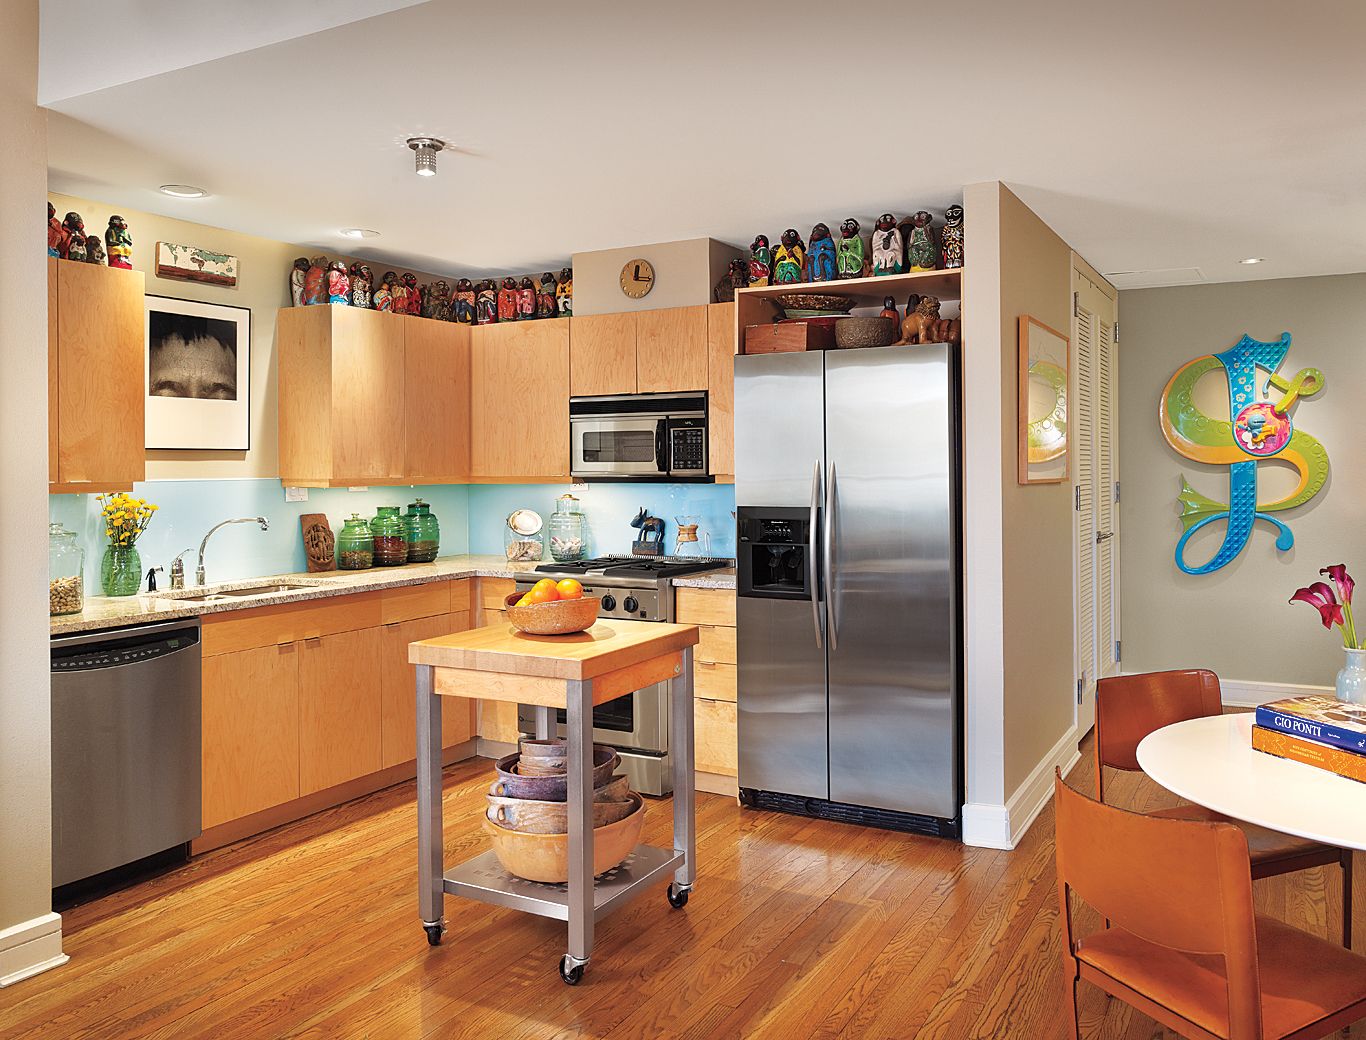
313 641
706 664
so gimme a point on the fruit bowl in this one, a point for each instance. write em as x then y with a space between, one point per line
545 857
557 618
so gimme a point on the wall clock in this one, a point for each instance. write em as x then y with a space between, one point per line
637 278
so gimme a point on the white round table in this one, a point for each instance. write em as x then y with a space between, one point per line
1211 762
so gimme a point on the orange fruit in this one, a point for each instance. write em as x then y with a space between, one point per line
544 583
526 598
570 588
544 592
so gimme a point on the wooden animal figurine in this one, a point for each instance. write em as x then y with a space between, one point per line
736 277
338 284
820 255
56 234
564 293
486 303
920 251
383 298
760 261
361 293
526 299
464 302
951 238
789 259
889 257
118 240
75 231
851 260
296 280
889 310
315 281
412 302
545 296
94 250
507 299
924 325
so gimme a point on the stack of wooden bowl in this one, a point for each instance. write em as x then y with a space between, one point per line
528 812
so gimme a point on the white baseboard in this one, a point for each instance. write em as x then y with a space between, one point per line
1002 826
1240 693
30 947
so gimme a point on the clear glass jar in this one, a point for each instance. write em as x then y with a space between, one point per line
355 545
522 536
424 532
568 531
65 571
391 537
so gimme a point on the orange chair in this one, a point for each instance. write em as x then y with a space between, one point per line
1185 946
1129 707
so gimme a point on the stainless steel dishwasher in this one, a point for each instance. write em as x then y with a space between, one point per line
125 746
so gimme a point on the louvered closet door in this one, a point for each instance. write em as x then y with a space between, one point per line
1097 531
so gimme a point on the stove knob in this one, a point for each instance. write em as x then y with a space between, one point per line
609 602
630 606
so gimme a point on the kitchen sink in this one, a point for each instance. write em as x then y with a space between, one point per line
266 590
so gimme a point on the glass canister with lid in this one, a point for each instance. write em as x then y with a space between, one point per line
568 531
355 544
424 532
391 537
65 571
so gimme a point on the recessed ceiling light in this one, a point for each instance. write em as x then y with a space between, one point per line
424 157
183 191
1253 260
359 232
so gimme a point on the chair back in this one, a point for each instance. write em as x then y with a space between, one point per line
1129 707
1182 884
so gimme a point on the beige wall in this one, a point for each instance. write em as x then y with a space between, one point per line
1236 620
684 275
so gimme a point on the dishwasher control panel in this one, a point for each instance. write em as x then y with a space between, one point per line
114 653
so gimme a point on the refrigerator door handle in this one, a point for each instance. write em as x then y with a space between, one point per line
812 580
829 554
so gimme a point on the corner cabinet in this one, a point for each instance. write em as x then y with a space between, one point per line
519 402
96 382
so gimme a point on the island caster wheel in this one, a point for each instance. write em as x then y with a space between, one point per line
678 898
433 933
572 975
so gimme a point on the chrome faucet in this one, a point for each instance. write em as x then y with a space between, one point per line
178 569
199 571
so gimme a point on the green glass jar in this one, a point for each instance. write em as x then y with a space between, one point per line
355 545
424 532
391 537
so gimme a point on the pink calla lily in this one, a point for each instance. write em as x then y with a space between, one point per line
1341 580
1320 596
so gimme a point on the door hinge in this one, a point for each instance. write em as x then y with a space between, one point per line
1080 683
1076 306
1117 651
1077 496
1116 490
1116 333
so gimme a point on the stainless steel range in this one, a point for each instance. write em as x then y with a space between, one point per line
639 588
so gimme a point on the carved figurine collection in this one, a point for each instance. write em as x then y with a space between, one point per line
296 281
789 259
56 234
736 277
889 255
507 299
75 237
820 255
94 250
920 251
119 242
545 296
361 294
486 303
463 305
760 261
526 299
338 283
564 292
851 259
951 238
383 297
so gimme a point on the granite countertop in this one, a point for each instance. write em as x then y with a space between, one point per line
719 579
117 612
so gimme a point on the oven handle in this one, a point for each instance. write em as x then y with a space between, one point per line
661 444
812 579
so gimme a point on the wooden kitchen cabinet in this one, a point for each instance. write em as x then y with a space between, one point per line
436 391
602 354
398 721
339 708
721 390
250 731
671 349
519 401
96 377
714 684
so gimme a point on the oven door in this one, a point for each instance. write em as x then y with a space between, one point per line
634 446
637 721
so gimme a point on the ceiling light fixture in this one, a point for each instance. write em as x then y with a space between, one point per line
1253 260
183 191
359 232
424 157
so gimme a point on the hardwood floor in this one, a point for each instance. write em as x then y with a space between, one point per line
797 929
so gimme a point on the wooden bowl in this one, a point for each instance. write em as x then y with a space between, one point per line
826 303
529 817
859 331
552 788
553 749
545 857
558 618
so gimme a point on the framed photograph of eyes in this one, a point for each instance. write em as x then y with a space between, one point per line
1043 403
198 375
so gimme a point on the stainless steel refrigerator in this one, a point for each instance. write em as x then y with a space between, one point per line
846 488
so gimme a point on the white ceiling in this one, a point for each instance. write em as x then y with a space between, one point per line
1157 136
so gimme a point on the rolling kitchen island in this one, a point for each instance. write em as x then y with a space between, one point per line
574 673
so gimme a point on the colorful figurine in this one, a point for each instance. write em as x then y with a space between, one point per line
361 293
889 310
736 277
789 259
850 258
564 293
94 250
486 303
425 300
951 238
441 300
507 300
398 289
820 257
889 257
412 301
315 281
545 296
296 280
760 261
119 242
338 284
383 298
920 251
56 234
526 299
75 232
463 306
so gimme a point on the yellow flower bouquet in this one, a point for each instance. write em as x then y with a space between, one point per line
124 518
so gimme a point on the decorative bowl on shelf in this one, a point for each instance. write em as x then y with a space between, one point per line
865 332
550 787
820 303
559 617
545 857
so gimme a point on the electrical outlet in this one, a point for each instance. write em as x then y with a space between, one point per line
296 494
358 488
578 487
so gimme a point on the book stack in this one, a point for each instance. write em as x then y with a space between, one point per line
1318 731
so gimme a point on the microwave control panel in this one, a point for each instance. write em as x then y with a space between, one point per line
689 447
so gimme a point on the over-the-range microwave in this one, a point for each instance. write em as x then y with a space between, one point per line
639 437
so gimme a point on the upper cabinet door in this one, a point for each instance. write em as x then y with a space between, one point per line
519 401
53 370
436 389
602 354
721 389
101 375
368 430
671 349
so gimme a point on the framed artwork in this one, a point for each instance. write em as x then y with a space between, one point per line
198 375
1042 403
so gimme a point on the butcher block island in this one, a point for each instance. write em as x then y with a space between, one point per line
573 673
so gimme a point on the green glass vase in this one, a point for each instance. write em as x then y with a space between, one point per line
121 570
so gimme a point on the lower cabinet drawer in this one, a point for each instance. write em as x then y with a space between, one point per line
712 681
714 747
